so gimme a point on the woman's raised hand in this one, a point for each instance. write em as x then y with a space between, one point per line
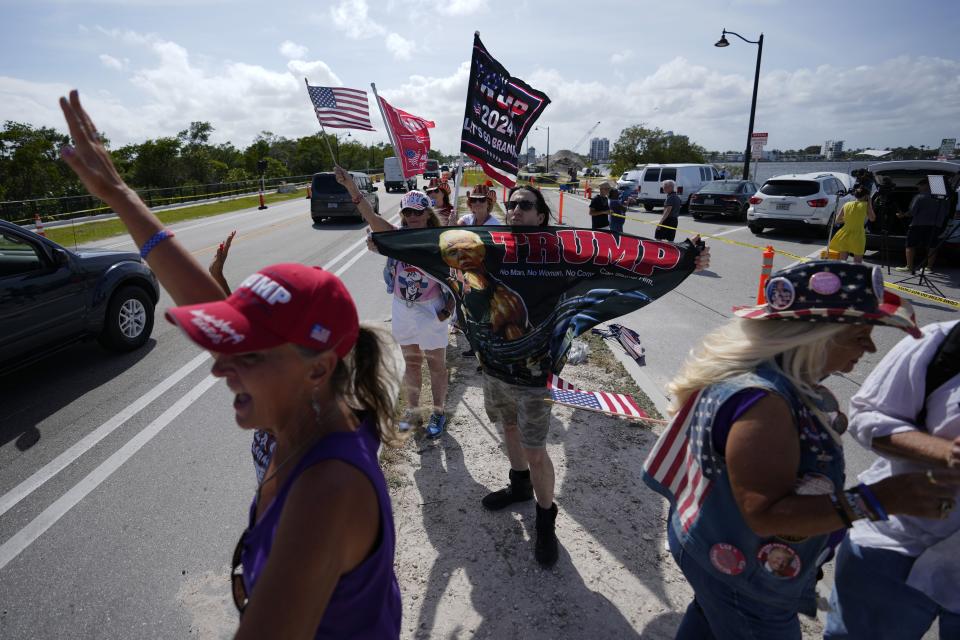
343 177
89 158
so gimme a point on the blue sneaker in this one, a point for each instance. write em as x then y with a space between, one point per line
435 427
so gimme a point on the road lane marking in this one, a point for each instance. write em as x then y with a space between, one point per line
216 219
49 517
62 461
29 534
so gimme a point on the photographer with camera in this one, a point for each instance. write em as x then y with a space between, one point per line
852 238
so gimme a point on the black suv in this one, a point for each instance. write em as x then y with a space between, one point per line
51 297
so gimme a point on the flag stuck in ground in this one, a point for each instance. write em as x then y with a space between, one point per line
563 392
341 108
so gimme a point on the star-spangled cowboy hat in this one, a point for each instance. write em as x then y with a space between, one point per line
831 291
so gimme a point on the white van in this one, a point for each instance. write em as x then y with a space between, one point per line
689 179
393 176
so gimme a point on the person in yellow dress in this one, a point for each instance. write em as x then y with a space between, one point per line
852 237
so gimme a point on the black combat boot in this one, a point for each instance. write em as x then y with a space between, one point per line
520 489
546 550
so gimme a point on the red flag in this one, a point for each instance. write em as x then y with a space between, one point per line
411 137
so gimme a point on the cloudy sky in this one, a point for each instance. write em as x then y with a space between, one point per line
876 74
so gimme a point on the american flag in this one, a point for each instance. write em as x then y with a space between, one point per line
679 468
620 404
341 108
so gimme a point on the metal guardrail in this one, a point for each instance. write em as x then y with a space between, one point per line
82 205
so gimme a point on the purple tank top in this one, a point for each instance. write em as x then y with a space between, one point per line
366 602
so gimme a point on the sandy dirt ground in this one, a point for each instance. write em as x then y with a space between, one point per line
467 572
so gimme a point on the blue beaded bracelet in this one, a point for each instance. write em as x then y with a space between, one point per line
154 240
873 501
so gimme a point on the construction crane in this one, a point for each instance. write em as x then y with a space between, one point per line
585 136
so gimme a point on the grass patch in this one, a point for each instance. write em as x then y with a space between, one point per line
84 233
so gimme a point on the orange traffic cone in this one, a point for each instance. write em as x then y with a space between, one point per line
38 226
765 272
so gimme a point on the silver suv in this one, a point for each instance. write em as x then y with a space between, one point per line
797 201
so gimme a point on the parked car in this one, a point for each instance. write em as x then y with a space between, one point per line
730 198
51 297
797 201
393 179
431 170
894 186
631 179
688 177
329 199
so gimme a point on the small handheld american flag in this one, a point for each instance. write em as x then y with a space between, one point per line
620 404
341 108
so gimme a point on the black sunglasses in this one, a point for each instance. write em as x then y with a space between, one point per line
237 588
433 190
406 213
525 205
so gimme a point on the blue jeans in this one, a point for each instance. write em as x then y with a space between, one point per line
719 612
871 599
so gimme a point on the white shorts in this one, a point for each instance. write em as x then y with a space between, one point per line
418 324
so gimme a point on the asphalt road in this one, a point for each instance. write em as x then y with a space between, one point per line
124 482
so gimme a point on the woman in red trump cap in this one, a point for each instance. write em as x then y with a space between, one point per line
316 558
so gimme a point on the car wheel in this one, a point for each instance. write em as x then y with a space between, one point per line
129 320
647 207
755 228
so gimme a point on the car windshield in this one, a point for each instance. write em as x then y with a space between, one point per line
797 188
326 183
433 164
721 186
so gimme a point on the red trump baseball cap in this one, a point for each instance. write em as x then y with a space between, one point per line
282 303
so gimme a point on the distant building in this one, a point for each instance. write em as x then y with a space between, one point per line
599 150
831 148
530 157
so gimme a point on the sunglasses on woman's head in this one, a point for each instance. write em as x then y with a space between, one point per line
525 205
406 213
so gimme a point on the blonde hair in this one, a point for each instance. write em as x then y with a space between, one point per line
742 345
368 378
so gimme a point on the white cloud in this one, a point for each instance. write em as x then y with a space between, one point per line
400 47
623 56
461 7
353 19
110 62
293 50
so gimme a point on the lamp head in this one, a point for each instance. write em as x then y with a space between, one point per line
722 42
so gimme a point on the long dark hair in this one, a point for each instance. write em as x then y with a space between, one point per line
542 206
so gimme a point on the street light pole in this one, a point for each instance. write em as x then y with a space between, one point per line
722 42
548 145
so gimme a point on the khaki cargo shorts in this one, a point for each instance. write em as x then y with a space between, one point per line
524 406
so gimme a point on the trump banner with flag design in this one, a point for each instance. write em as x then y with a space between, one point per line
524 293
500 111
411 137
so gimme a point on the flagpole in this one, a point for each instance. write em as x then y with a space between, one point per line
386 124
456 189
336 160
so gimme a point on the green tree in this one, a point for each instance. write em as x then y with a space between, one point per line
30 165
639 144
158 164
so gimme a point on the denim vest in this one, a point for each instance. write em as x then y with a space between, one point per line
774 570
